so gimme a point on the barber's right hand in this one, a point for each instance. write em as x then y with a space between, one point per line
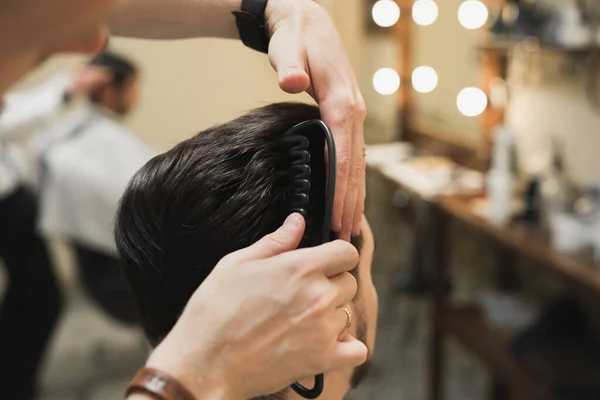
267 315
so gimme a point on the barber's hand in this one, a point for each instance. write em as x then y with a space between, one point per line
267 315
308 55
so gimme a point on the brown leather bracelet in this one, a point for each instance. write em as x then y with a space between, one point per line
158 384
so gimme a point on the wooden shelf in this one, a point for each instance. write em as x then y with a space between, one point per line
506 45
528 242
467 325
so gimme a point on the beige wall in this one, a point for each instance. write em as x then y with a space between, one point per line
452 51
190 85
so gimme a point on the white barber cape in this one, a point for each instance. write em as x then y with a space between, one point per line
85 163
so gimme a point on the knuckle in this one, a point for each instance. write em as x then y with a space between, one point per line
322 303
230 259
361 108
346 105
299 270
358 172
352 103
304 271
274 241
320 308
339 116
346 252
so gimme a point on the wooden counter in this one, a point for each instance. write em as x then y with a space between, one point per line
468 325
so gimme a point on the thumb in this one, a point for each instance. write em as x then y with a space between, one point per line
287 55
349 353
286 238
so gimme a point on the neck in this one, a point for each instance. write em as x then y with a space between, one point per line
108 111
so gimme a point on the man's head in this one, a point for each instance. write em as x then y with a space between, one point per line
211 195
31 30
120 93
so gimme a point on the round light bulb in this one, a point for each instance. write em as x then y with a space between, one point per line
386 13
386 81
425 12
471 102
424 79
472 14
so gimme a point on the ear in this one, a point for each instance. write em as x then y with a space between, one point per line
106 95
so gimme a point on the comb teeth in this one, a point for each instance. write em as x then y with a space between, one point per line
300 172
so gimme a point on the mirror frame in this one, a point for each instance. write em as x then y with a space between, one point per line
470 153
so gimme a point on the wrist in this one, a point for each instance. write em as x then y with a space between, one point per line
202 378
280 10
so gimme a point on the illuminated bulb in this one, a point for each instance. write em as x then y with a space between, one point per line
386 81
472 14
386 13
471 102
425 12
424 79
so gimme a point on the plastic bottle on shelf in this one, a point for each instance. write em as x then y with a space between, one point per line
573 29
500 179
558 192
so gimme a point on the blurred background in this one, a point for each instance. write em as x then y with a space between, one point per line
483 193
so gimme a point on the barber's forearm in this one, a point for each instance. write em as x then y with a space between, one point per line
176 19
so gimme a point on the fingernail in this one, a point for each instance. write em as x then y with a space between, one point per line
293 221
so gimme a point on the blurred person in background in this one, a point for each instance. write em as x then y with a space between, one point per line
84 163
300 34
27 112
30 276
31 303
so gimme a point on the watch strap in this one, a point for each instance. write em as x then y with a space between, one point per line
159 385
252 26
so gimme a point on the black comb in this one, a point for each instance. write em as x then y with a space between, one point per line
312 173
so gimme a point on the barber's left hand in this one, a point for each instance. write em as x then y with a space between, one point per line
308 55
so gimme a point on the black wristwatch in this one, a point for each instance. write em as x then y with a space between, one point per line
252 25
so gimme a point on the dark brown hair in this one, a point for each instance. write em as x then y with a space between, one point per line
211 195
218 192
